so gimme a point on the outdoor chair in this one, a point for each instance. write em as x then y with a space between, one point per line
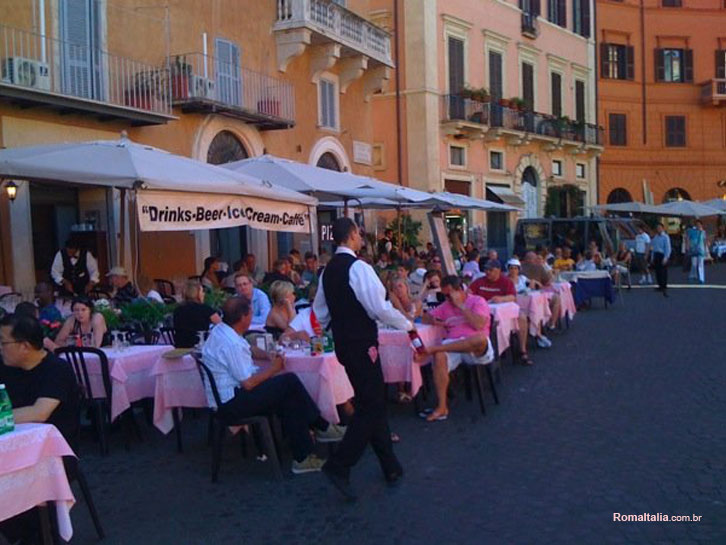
168 335
473 373
8 301
222 421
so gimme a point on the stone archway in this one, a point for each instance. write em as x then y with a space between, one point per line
332 146
213 125
529 182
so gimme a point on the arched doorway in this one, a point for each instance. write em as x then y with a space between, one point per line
229 243
618 195
329 161
530 192
225 148
676 194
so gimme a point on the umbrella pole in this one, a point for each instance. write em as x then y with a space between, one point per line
398 221
122 224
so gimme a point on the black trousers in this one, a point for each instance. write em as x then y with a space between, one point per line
282 395
661 271
369 423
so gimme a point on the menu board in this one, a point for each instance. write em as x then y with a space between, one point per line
441 241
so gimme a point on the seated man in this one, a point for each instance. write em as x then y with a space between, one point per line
42 388
245 287
124 290
540 277
310 273
246 391
46 303
497 288
466 320
563 259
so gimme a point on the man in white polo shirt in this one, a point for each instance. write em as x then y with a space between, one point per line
642 254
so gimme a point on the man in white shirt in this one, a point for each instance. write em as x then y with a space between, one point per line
74 271
642 255
245 390
244 285
351 299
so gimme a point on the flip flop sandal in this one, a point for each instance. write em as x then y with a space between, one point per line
424 414
437 418
524 359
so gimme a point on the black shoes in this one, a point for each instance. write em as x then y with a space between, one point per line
342 483
394 477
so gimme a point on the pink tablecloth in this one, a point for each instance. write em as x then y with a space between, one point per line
536 306
178 384
567 301
5 289
505 316
131 378
396 354
31 473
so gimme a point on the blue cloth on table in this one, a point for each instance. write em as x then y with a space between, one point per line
587 288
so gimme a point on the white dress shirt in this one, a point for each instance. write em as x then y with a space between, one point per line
370 293
229 357
56 270
301 322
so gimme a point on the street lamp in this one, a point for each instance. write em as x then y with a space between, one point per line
11 188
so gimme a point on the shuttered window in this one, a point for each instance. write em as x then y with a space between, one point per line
581 17
328 104
556 86
617 61
528 85
80 34
675 131
672 3
456 65
580 110
557 12
720 63
617 127
495 75
674 65
227 66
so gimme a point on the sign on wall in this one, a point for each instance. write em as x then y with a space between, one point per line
171 211
362 153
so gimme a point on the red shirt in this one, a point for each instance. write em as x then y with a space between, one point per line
487 289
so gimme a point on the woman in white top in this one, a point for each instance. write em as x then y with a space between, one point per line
521 282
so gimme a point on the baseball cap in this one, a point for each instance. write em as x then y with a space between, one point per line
514 262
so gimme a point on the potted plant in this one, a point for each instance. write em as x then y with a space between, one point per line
215 298
517 103
143 317
146 90
480 95
466 92
180 72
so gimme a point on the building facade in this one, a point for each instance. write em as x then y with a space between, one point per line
216 80
662 88
497 100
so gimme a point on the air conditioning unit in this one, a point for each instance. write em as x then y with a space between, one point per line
201 87
26 72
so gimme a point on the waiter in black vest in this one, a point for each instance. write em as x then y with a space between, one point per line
74 270
351 298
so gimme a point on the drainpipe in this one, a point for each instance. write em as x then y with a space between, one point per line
597 101
399 159
642 72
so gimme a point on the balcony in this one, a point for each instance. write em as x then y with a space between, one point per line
304 23
714 92
42 71
492 120
530 25
204 84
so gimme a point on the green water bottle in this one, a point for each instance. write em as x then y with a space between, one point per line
328 343
7 422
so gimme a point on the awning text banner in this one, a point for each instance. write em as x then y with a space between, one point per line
174 211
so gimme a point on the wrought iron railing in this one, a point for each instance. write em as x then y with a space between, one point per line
714 89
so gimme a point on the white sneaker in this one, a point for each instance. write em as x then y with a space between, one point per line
543 342
333 434
308 465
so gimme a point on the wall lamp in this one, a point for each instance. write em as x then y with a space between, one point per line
11 188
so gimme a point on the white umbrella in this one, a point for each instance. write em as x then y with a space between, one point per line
125 164
445 199
719 204
633 207
689 209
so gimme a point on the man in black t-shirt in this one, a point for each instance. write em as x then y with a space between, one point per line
41 386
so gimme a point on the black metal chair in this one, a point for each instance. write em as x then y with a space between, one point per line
98 402
168 335
222 421
97 293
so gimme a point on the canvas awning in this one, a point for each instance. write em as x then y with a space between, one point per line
504 195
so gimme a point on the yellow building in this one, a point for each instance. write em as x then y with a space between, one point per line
216 80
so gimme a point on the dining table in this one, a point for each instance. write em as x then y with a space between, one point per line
505 321
32 473
397 355
535 304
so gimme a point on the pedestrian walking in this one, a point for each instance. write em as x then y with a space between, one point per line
696 250
350 299
642 255
661 252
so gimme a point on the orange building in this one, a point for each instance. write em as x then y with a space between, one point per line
662 94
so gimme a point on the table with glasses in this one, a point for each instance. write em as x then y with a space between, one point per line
589 284
567 301
32 473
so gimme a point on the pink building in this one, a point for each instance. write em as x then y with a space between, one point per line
461 63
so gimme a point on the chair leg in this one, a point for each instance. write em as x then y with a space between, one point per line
479 387
271 451
89 501
217 451
176 415
100 412
210 429
490 375
467 385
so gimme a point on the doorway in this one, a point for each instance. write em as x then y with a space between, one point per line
53 211
530 193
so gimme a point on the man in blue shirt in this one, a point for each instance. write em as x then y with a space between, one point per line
660 253
260 302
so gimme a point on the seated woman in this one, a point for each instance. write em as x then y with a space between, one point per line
586 263
521 282
83 325
209 277
401 298
282 295
431 295
192 316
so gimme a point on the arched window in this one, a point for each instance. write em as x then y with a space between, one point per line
676 194
530 194
327 160
619 195
225 148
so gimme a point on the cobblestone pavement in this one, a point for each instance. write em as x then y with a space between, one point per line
625 414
